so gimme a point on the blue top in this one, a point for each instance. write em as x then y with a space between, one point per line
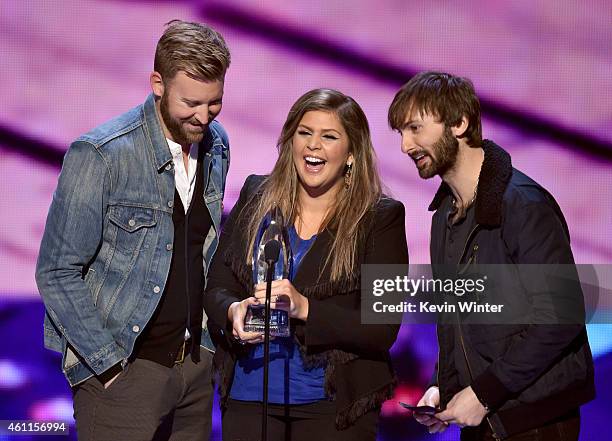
289 382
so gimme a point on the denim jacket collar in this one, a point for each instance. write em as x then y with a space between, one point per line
161 152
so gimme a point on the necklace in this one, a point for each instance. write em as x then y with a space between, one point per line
473 197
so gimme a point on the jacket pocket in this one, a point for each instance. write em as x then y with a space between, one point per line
131 224
94 283
495 342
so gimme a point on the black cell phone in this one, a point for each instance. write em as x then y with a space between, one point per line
423 410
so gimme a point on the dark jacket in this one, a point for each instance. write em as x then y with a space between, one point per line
358 372
526 374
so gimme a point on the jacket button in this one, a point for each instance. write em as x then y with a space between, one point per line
131 222
169 247
170 204
157 289
169 167
136 328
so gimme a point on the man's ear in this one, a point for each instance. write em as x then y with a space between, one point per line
460 128
157 84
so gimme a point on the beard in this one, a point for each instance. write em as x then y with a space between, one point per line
445 150
178 128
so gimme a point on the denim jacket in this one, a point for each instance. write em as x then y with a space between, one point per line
106 251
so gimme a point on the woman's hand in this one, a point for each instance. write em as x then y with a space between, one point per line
236 314
284 296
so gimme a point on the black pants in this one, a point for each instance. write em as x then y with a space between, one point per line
147 402
305 422
566 428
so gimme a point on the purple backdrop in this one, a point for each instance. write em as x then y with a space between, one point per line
541 68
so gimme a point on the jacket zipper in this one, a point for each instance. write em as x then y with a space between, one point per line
465 247
437 335
467 362
462 341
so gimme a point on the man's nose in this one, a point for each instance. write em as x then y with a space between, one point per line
202 115
407 143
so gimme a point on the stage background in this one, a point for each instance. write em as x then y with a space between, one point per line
542 69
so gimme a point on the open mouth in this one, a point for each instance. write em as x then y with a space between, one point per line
419 159
314 164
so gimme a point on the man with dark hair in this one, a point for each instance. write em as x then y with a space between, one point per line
496 381
129 238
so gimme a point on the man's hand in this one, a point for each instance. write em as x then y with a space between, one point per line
431 397
464 409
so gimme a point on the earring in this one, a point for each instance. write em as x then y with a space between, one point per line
347 174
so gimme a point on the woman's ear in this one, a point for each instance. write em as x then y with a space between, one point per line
350 159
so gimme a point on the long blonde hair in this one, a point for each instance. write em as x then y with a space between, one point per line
344 219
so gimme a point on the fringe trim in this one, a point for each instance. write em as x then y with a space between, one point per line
242 271
222 377
333 288
326 359
348 416
244 274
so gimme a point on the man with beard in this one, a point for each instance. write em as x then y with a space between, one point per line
129 238
522 381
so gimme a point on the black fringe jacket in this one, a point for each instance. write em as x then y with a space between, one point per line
358 372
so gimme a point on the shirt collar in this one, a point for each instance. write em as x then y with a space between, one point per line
176 150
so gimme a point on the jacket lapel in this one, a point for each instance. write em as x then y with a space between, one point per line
313 262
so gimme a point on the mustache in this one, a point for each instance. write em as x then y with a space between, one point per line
194 122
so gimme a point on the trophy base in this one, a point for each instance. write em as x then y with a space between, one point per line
255 321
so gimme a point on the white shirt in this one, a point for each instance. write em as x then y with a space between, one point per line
184 179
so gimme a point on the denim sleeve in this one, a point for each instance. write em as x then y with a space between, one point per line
73 233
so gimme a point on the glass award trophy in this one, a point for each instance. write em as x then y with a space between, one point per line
273 228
